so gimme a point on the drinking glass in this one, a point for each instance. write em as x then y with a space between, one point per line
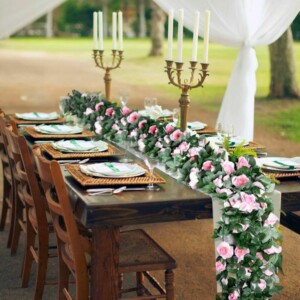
62 105
149 102
124 99
151 163
125 143
175 116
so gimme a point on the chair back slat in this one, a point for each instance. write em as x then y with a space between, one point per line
72 246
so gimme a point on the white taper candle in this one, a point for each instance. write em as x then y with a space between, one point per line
195 36
180 35
100 22
170 34
114 31
120 30
95 30
206 36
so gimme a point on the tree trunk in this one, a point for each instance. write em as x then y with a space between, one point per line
283 68
157 30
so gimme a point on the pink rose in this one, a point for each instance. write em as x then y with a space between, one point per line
126 111
141 123
262 284
243 162
158 144
245 227
176 135
224 190
259 185
248 203
264 205
273 250
268 272
132 118
141 145
169 128
133 133
240 180
123 121
88 111
240 253
110 111
228 167
235 202
115 127
218 182
152 129
271 220
98 127
183 147
259 255
194 151
224 281
225 250
220 266
208 166
166 139
162 150
98 106
234 295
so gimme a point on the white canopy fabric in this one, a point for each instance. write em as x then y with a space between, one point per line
244 24
16 14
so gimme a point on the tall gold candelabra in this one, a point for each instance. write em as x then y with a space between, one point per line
175 74
117 57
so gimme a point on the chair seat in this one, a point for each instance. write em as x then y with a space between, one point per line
139 252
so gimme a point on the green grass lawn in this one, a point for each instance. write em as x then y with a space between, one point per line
144 70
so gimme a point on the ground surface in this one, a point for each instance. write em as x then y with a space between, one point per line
35 81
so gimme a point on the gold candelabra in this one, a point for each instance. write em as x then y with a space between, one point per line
175 74
117 57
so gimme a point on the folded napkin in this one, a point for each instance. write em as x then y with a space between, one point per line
154 112
283 164
58 129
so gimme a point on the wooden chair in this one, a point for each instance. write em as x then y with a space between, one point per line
17 217
39 221
138 252
7 184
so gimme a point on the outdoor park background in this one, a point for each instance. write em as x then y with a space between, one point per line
35 72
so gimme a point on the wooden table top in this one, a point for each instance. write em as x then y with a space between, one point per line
173 202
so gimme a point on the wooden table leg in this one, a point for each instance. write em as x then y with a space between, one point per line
105 261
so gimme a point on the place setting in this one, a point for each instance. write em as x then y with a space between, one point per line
36 118
58 131
116 174
73 148
280 167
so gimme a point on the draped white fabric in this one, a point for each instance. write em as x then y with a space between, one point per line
16 14
243 24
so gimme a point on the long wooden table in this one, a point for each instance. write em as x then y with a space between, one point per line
105 215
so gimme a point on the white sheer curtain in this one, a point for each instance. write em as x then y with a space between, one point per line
244 24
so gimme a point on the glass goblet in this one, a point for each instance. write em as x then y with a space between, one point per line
125 144
124 99
175 116
151 163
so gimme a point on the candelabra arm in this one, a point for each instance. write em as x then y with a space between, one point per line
203 73
170 71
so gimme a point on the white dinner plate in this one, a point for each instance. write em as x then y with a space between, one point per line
80 146
165 113
58 129
233 142
37 116
196 125
113 170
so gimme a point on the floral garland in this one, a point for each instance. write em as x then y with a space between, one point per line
249 251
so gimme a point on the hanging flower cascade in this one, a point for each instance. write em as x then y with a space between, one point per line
248 248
